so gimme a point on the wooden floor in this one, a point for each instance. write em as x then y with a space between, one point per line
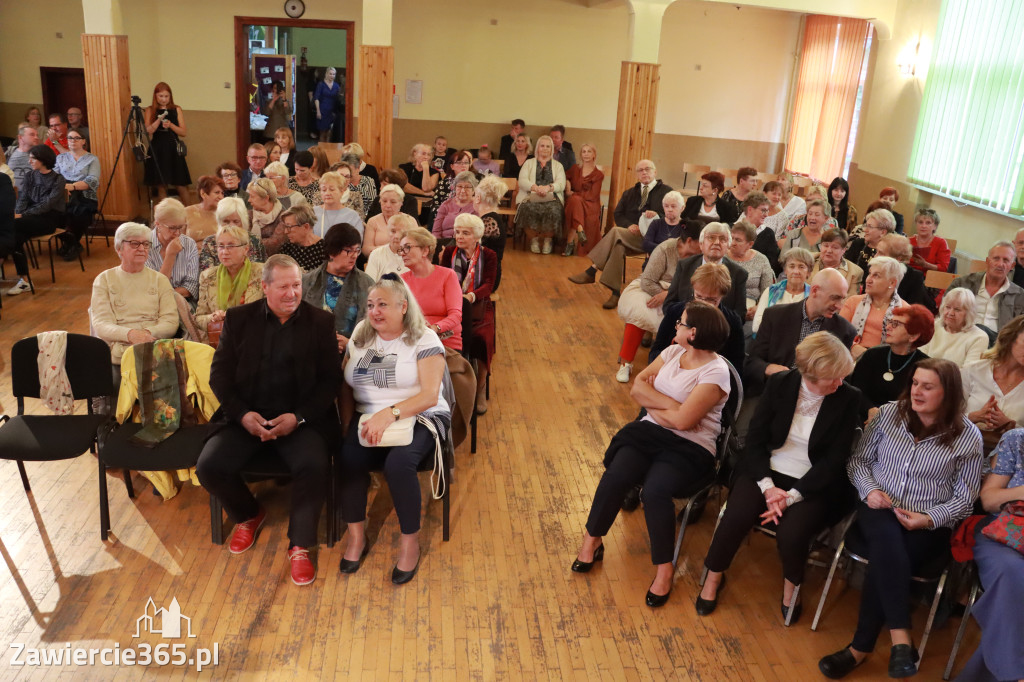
497 602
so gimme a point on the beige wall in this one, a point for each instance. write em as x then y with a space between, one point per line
30 42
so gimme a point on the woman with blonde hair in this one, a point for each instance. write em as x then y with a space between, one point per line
230 211
994 385
436 289
376 232
321 164
236 280
583 203
522 151
283 136
423 178
277 173
387 257
335 193
541 198
266 215
486 199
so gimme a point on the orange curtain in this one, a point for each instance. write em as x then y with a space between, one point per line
826 95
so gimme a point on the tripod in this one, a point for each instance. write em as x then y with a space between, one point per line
136 125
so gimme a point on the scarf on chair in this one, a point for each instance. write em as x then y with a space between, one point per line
863 309
467 270
776 291
261 220
231 290
163 405
54 386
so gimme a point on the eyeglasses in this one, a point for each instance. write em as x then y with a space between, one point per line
352 251
228 175
74 138
710 300
680 323
227 247
174 228
287 227
893 322
137 245
405 248
463 188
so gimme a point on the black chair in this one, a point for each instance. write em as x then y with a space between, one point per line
55 236
45 438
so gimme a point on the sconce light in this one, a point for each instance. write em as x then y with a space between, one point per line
907 61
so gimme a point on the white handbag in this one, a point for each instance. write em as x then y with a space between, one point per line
399 433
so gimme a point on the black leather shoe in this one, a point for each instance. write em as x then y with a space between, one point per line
585 566
402 577
349 566
797 610
837 665
656 600
705 607
632 499
903 661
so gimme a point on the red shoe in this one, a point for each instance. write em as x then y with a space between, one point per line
245 533
303 571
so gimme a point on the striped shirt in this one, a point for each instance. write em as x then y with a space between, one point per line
924 476
185 273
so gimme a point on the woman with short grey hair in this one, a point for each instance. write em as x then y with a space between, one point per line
460 201
871 311
361 183
956 337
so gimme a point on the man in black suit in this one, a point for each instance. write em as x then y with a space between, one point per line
508 141
785 325
276 374
642 200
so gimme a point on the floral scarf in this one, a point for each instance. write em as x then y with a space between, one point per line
467 270
863 309
163 404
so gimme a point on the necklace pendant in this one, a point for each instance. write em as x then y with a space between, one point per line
888 376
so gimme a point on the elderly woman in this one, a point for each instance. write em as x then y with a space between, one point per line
231 211
486 199
377 233
797 264
522 151
172 252
304 245
1001 572
870 312
459 203
394 176
877 224
792 204
436 289
674 444
541 197
930 252
230 173
798 221
792 474
335 194
839 198
388 257
39 209
831 249
476 268
363 168
883 372
132 303
351 198
665 227
265 221
583 203
235 281
917 471
423 177
304 182
362 184
777 219
956 338
336 285
277 173
461 162
81 173
912 288
994 385
808 236
759 271
201 218
394 336
708 203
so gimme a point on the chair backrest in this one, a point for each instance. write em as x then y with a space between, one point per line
730 411
951 243
934 279
978 265
511 187
87 363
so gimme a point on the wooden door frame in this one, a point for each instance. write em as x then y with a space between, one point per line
44 71
242 68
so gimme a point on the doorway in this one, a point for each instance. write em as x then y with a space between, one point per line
63 88
289 52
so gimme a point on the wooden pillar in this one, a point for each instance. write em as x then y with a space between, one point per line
376 85
108 95
634 125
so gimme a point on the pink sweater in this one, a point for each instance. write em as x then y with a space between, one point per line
440 297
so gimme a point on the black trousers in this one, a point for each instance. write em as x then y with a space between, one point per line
28 226
400 466
663 475
303 450
794 532
895 553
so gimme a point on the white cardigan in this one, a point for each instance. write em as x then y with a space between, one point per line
528 178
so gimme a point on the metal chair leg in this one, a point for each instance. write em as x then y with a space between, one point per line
446 503
828 583
792 604
931 614
104 503
975 586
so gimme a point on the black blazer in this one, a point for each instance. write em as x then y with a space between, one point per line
765 243
233 374
627 211
777 339
912 290
831 438
726 212
680 288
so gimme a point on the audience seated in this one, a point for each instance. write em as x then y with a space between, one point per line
335 194
808 236
671 447
831 252
57 134
643 200
522 151
81 172
277 173
76 123
792 204
394 176
708 204
201 218
388 257
997 300
304 245
507 141
439 160
746 182
423 177
351 198
994 385
541 198
1000 571
793 287
336 285
760 274
956 338
305 182
484 163
364 169
911 288
1017 276
231 211
436 289
460 202
839 200
269 401
792 474
669 225
236 280
476 270
286 140
34 118
230 174
266 215
877 224
376 232
173 253
889 196
39 210
755 208
785 326
257 157
18 157
777 219
362 185
870 313
562 149
930 252
884 372
917 472
321 164
487 197
813 192
583 203
715 239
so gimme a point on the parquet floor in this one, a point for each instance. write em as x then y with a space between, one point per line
497 602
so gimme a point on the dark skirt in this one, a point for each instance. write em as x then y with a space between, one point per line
542 217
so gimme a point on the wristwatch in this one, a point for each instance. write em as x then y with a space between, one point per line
299 419
396 412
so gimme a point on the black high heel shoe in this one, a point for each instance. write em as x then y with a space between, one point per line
798 608
585 566
656 600
705 607
400 577
348 566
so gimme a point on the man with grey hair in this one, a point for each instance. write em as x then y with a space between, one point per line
17 156
76 122
1018 266
997 300
641 201
276 374
715 240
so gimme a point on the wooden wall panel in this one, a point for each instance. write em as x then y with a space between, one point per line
376 85
634 125
108 94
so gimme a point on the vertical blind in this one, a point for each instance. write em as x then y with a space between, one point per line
826 95
970 133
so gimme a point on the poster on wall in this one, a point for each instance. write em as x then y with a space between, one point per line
414 92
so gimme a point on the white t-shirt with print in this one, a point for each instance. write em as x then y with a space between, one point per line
385 373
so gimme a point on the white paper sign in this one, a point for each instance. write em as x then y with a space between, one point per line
264 69
414 92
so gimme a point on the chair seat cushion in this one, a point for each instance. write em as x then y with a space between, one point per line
43 438
179 451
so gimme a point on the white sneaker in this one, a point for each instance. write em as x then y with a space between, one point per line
622 376
547 247
535 245
19 288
